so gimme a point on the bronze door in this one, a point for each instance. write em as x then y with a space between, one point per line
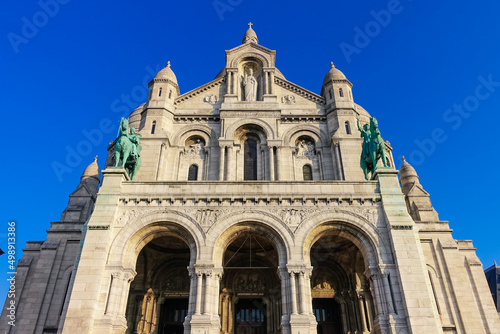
250 317
327 312
173 313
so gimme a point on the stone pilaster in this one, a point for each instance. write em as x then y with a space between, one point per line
407 286
92 285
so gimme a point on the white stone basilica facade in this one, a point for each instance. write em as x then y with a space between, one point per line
250 213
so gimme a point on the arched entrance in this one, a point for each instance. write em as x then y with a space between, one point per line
159 295
250 298
341 295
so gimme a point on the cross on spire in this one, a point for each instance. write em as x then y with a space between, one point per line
250 24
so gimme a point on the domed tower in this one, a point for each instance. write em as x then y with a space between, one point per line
407 176
159 108
337 90
134 119
250 36
92 176
82 200
418 201
342 117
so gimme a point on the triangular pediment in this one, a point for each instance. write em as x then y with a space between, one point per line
417 190
250 50
81 190
299 91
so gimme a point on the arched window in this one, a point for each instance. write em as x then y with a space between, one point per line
330 91
170 94
153 128
250 157
307 172
347 128
193 173
159 93
341 93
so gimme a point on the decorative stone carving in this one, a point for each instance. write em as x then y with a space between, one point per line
212 99
126 216
322 283
249 282
178 281
196 149
292 217
305 149
288 99
207 216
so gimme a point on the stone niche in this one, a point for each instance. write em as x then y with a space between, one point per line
251 80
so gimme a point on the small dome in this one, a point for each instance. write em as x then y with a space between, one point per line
92 170
250 35
361 111
407 176
134 119
333 74
166 73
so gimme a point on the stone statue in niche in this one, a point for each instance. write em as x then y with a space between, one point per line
301 148
250 86
305 149
147 324
198 148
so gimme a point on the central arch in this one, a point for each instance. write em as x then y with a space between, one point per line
250 298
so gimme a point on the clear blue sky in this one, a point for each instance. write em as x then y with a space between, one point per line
413 64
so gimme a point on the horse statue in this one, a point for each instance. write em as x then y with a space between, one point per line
373 147
128 149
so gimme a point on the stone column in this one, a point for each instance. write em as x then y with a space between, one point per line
294 166
232 88
271 82
207 305
369 315
231 162
278 162
271 162
337 163
159 170
199 282
285 304
261 162
206 161
114 293
114 317
293 291
362 313
343 312
303 293
307 286
320 165
192 285
178 165
128 277
222 165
